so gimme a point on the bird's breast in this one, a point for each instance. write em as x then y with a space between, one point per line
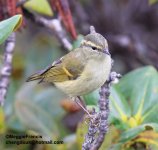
93 76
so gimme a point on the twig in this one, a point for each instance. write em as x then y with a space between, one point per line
7 67
55 25
21 2
92 130
104 109
99 124
104 113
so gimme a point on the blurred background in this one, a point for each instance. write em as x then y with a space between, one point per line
131 29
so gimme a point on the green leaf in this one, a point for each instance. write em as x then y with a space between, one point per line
110 139
92 98
140 89
8 26
116 147
39 6
34 118
118 105
82 129
151 115
36 112
134 132
12 121
131 133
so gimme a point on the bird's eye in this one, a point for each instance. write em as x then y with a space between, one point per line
94 48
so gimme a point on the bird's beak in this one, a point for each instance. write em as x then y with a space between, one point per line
106 51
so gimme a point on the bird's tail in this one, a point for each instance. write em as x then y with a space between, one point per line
35 76
39 75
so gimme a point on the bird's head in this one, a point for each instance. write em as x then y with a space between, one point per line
95 41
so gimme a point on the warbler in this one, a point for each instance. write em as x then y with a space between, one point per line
82 70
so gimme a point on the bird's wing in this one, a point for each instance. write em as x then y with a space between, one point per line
67 68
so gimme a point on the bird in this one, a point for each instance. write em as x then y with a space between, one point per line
82 70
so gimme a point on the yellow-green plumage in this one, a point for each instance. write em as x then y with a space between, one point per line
82 70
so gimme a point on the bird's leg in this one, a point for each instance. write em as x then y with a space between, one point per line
92 115
78 101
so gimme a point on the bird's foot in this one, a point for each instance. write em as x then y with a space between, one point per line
94 119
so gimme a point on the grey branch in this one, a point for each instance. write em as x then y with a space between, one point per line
55 26
92 130
98 125
7 67
104 113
